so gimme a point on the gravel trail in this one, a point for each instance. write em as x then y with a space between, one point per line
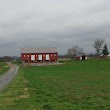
9 75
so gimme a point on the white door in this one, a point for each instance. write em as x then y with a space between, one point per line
32 57
80 58
40 57
47 57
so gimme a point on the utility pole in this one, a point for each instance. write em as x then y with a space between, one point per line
65 57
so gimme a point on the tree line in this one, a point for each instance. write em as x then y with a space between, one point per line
98 45
9 58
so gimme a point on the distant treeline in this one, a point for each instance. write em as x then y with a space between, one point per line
9 58
68 56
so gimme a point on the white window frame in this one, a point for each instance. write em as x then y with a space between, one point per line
80 58
32 57
47 57
39 57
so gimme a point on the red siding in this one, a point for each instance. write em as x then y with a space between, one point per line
36 56
43 57
27 57
77 58
53 56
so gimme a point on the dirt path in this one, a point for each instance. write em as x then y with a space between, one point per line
8 76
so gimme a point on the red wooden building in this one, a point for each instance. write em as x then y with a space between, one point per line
81 57
36 55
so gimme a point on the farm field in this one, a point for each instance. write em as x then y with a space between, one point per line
3 68
75 85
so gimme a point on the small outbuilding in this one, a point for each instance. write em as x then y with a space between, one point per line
39 55
108 56
81 57
103 56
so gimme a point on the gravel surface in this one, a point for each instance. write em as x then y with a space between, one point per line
8 76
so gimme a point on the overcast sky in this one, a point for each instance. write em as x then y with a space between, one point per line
47 23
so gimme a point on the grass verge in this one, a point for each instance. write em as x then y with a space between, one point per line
3 68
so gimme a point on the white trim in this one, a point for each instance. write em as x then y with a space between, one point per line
47 57
39 57
32 57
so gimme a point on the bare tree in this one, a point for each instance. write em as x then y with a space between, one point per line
69 53
98 45
74 50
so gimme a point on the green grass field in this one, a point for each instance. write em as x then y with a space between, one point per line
75 85
3 68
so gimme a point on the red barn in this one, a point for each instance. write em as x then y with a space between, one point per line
36 55
80 57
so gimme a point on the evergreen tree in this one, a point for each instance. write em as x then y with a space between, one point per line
105 50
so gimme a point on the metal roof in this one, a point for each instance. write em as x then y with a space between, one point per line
108 55
39 50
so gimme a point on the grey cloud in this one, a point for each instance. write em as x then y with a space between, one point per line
59 23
